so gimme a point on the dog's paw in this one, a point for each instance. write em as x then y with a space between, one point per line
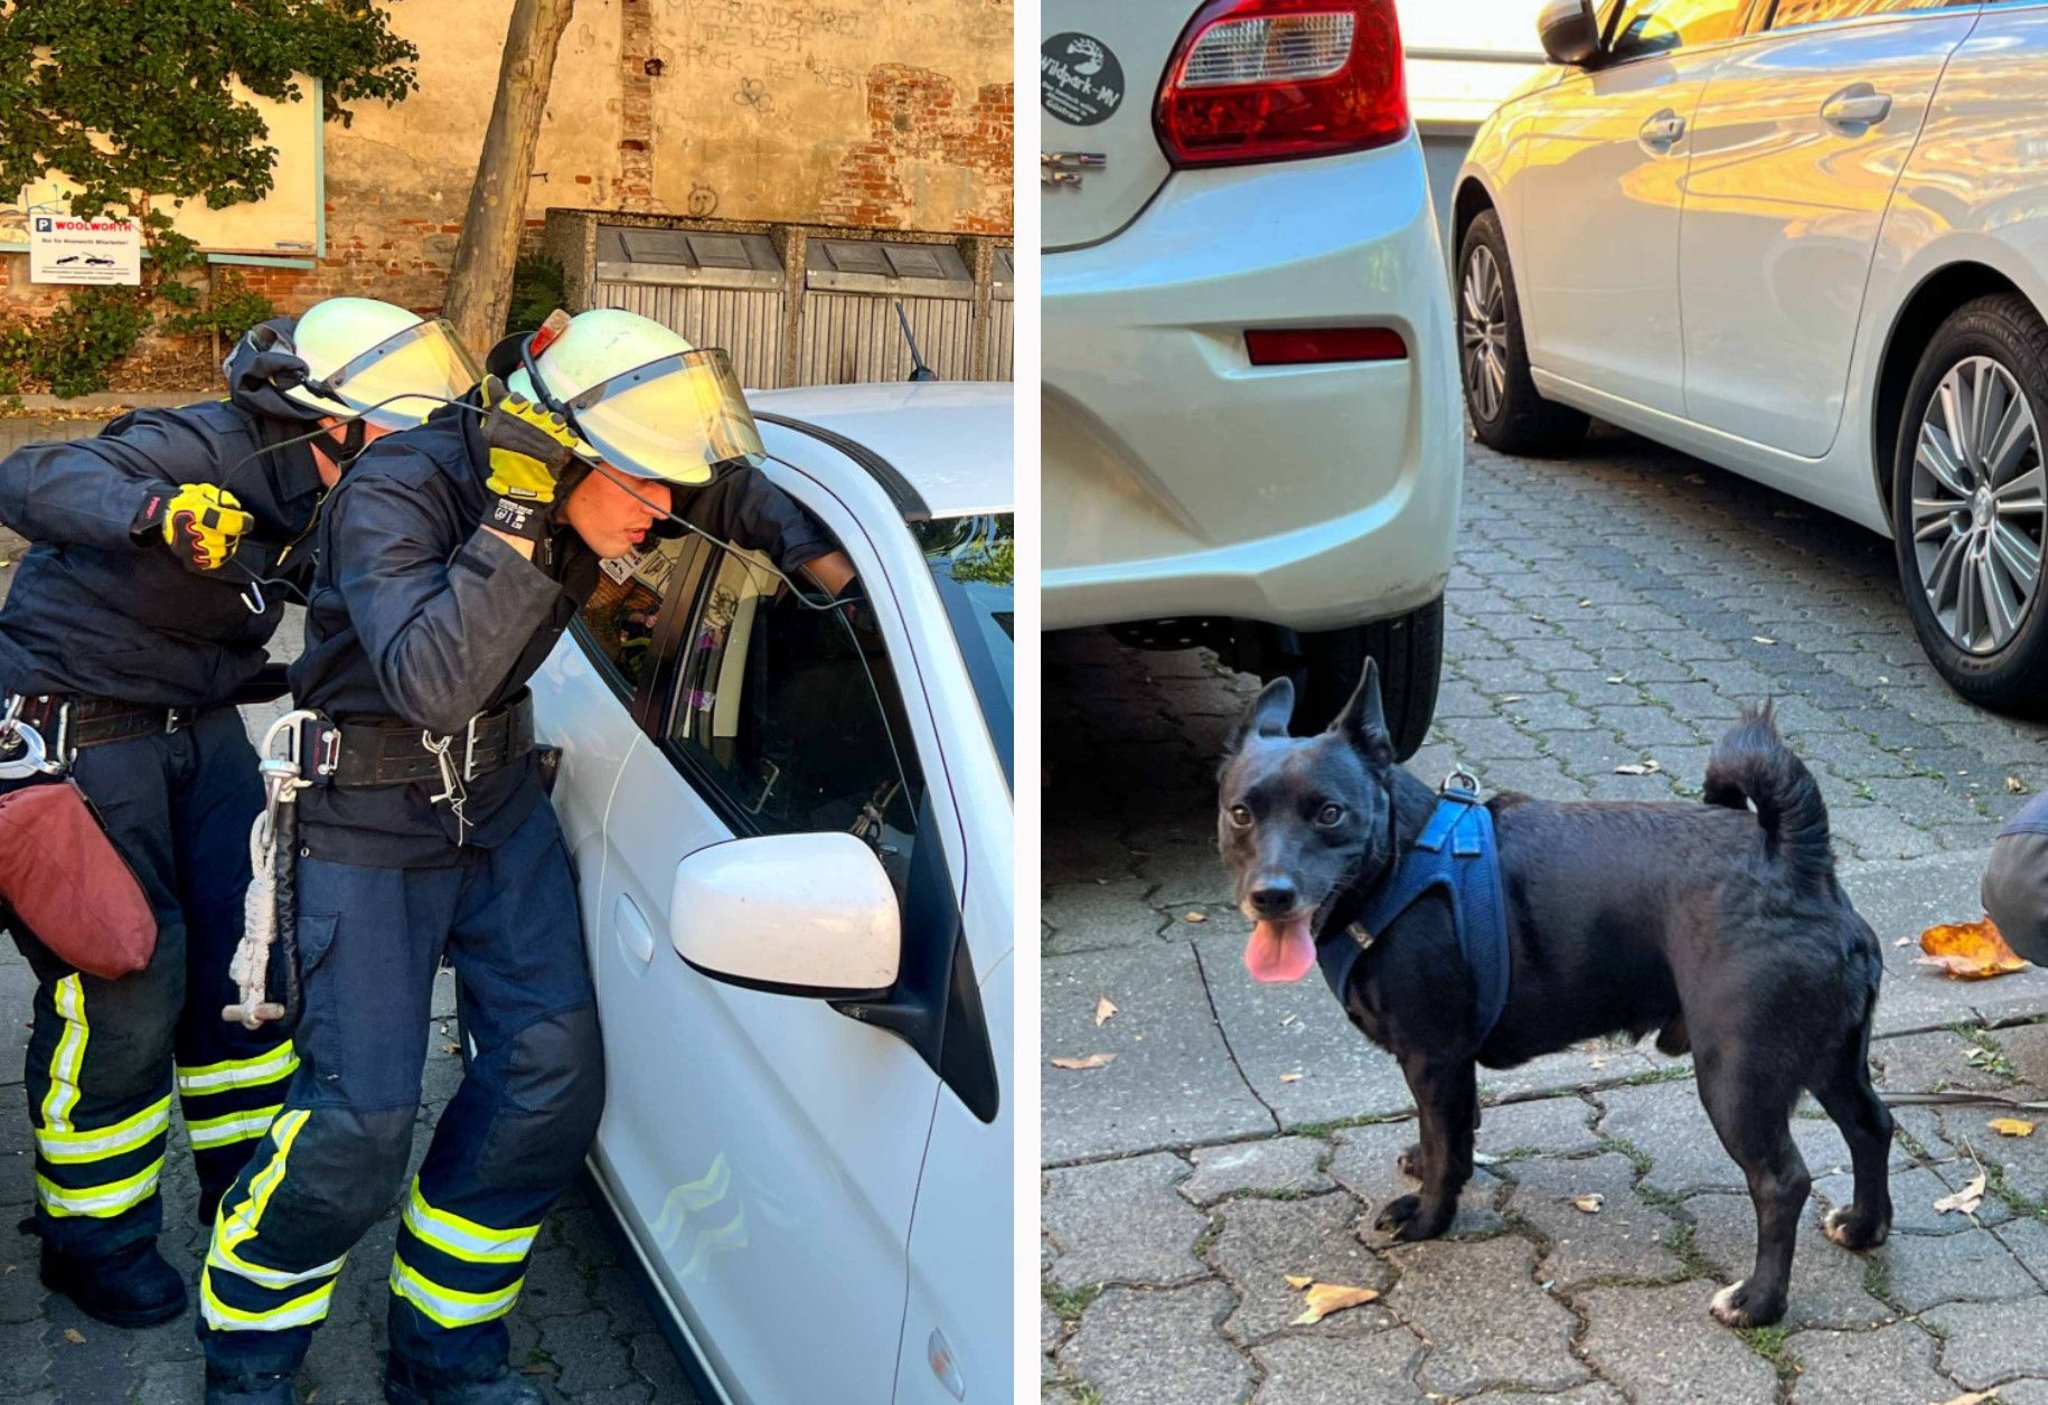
1736 1306
1849 1227
1409 1162
1407 1219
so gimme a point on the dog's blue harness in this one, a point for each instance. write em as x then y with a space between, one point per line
1456 853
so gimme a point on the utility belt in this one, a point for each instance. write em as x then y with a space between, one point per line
44 732
385 751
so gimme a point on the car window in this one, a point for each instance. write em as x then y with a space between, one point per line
617 622
1662 26
1791 14
792 716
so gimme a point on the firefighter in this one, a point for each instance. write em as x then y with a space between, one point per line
450 562
138 618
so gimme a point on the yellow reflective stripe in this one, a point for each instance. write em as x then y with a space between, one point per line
69 998
466 1239
235 1127
103 1142
447 1306
99 1201
310 1307
221 1258
240 1073
238 1226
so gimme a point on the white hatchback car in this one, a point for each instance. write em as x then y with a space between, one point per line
1252 437
1806 240
793 836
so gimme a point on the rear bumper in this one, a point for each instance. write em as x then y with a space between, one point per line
1181 480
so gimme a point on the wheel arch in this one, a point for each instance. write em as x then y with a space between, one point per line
1930 304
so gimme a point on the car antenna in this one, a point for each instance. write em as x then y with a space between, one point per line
922 371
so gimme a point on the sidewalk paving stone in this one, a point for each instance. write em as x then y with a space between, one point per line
1122 1222
1159 1347
1377 1368
1659 1345
1265 1242
1985 1346
1855 1368
1287 1164
1622 1238
1486 1321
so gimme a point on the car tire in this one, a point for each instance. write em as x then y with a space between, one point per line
1506 411
1993 654
1410 652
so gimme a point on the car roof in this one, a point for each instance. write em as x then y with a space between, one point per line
950 440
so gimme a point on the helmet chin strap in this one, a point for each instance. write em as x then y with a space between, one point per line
351 444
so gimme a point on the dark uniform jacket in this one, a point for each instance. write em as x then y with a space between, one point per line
419 614
97 610
2016 882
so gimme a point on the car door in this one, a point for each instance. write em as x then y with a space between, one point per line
1599 198
765 1149
1797 147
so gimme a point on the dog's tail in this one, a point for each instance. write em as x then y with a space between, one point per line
1751 765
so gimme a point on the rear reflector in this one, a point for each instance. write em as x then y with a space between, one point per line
1273 80
1302 346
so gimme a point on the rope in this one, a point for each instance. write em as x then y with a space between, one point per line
249 968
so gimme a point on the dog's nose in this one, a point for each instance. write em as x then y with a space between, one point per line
1273 898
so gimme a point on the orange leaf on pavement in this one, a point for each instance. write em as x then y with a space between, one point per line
1326 1298
1970 951
1104 1008
1092 1061
2012 1126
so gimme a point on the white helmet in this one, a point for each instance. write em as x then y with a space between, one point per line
362 353
646 400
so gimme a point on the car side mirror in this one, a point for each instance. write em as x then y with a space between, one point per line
1570 30
791 914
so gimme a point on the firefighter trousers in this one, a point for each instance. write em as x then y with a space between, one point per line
509 1142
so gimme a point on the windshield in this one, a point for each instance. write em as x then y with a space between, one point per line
974 561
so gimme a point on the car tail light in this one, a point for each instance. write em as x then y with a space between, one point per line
1273 80
1304 346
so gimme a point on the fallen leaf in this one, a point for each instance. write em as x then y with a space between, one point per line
1969 951
1092 1061
1639 768
2011 1126
1288 1021
1198 917
1619 678
1326 1298
2013 784
1903 941
1296 1078
1298 1281
1585 604
1510 697
1964 1201
1590 1204
1975 1397
1104 1008
74 1336
1762 640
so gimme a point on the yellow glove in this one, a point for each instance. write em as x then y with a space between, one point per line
202 523
530 448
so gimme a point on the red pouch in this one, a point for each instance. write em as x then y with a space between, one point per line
69 884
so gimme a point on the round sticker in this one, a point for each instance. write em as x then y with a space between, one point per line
1079 80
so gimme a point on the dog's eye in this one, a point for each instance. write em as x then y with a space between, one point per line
1240 816
1329 815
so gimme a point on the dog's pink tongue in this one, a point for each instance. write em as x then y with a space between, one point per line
1280 951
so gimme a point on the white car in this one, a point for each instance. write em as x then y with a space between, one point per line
792 832
1251 429
1804 240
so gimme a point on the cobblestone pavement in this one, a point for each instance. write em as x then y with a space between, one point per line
581 1330
1611 609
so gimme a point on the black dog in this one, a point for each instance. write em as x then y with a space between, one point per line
1722 929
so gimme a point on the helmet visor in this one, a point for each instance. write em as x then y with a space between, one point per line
388 385
674 419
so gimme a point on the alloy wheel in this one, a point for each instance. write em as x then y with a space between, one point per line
1483 333
1978 515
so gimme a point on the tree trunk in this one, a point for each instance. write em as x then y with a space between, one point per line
480 284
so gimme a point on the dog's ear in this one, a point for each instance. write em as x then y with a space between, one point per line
1363 723
1268 715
